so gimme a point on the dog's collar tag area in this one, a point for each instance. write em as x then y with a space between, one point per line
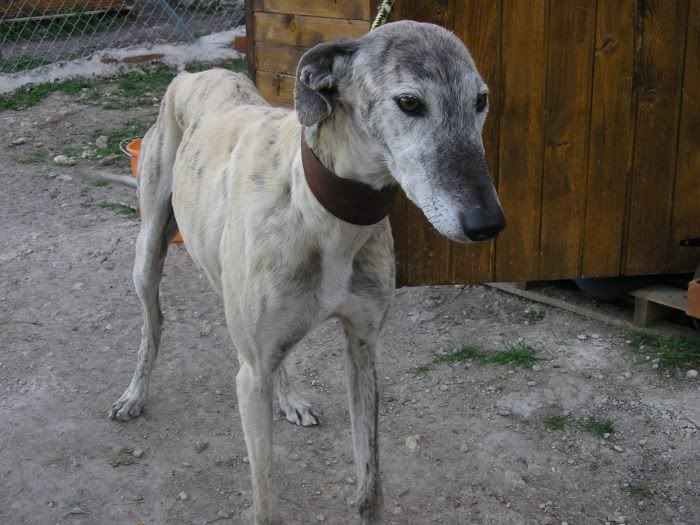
348 200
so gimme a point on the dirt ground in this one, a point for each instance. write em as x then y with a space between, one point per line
461 443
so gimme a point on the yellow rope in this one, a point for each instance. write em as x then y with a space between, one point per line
383 12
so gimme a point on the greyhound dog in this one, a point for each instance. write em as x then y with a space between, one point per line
403 105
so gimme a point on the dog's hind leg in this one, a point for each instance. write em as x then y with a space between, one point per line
151 247
296 409
158 227
363 398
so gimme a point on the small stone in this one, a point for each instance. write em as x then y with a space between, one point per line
51 175
217 392
109 160
606 435
621 520
444 388
199 446
63 160
182 496
223 515
411 442
531 383
64 178
246 460
691 374
19 141
627 375
617 448
655 366
102 142
52 504
464 449
318 492
137 453
320 517
138 498
186 464
536 368
350 481
581 337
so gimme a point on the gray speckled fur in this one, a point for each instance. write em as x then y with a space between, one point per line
224 169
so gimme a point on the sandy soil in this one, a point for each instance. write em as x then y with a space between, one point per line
464 443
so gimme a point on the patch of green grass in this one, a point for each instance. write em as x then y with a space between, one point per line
120 209
674 353
599 427
556 422
640 491
32 95
460 355
33 156
138 87
134 88
100 183
518 354
21 63
72 151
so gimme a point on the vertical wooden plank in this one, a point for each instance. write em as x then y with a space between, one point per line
478 24
251 6
427 252
686 202
611 136
567 120
658 80
521 130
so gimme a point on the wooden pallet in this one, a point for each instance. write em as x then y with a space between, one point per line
658 301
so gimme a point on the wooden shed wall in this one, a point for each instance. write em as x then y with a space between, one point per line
593 135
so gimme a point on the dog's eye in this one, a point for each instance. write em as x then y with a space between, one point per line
481 101
409 104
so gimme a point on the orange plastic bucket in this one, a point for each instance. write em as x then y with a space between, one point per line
133 147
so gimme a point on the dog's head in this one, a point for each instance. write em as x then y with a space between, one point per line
412 93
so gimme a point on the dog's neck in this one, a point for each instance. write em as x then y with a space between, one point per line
347 153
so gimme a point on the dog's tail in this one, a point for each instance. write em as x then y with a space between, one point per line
125 180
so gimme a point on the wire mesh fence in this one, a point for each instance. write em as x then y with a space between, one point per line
36 33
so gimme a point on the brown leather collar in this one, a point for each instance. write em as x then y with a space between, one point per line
348 200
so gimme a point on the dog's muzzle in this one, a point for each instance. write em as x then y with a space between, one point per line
482 224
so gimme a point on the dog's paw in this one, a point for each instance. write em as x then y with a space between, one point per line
299 412
128 406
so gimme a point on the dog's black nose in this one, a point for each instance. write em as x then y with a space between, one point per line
482 224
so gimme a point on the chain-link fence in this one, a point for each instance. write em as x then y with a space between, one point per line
37 33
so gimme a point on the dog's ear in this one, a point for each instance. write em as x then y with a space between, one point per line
318 74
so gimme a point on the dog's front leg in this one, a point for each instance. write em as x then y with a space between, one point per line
254 389
364 400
